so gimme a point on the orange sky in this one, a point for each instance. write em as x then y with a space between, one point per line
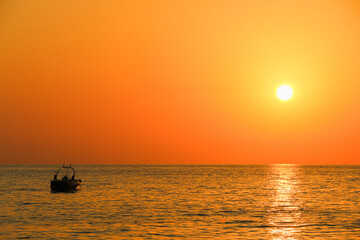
179 82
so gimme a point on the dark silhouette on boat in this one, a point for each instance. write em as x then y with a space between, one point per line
66 184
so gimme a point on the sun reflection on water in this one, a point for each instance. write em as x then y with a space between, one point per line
285 206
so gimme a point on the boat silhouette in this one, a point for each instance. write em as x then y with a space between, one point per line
65 184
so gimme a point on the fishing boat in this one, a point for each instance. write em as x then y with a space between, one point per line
64 183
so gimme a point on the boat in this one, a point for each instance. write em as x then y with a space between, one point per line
65 184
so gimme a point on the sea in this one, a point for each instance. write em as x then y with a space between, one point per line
182 202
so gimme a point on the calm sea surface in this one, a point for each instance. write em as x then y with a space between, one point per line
192 202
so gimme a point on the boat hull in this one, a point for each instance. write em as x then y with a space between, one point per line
64 186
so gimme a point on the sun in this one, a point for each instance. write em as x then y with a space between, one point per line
284 92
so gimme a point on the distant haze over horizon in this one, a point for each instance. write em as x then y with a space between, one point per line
179 82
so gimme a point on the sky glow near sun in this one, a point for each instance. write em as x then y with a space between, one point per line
192 82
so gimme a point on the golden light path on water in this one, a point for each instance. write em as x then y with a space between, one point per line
285 206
